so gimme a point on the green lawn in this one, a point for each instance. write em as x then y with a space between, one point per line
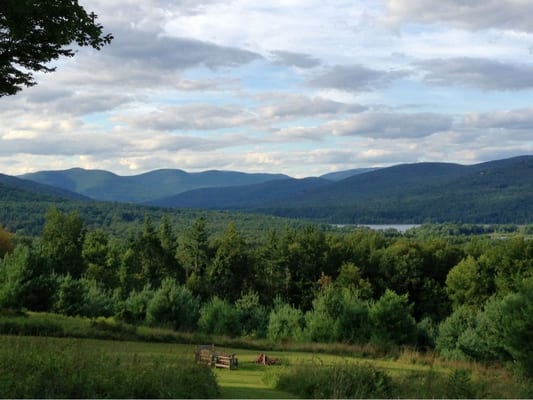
251 380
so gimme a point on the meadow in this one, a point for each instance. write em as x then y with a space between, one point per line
48 367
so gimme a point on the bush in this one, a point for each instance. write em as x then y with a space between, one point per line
133 309
517 327
353 325
218 317
174 306
341 381
447 342
285 323
82 297
426 334
252 315
70 296
392 322
26 280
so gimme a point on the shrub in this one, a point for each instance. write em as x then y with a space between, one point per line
285 323
82 297
447 342
392 322
173 305
133 308
70 296
252 315
353 325
517 327
220 318
26 280
340 381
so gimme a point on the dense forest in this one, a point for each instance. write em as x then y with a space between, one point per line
468 296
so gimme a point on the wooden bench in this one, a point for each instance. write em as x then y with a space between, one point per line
206 354
226 361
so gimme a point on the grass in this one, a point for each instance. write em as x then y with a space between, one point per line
413 374
39 367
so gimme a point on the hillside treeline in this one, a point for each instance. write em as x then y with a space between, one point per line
468 297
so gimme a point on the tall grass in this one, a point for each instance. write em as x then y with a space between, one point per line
45 368
339 381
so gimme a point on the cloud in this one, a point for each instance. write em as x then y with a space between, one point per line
512 120
478 73
355 78
293 59
190 117
392 125
471 15
171 53
301 106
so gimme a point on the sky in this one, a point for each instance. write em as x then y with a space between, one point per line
300 87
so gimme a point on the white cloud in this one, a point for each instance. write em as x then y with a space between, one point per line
478 73
392 125
472 14
355 78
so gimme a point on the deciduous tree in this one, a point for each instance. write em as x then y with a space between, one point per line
35 32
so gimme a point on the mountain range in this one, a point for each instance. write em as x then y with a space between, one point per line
490 192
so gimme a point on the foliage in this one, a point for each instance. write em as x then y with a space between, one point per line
26 280
173 305
339 381
6 242
62 242
467 284
285 322
219 317
517 326
34 33
392 322
133 309
230 272
252 315
447 343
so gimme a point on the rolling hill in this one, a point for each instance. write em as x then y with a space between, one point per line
13 189
496 191
104 185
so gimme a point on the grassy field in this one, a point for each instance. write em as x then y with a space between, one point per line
414 375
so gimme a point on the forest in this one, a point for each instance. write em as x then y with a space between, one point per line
453 289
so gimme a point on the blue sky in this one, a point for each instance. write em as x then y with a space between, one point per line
295 87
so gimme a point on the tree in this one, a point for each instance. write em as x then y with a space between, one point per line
230 272
193 254
6 242
33 33
62 242
469 283
26 280
392 321
174 306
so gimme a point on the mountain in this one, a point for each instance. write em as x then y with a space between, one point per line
492 192
237 197
498 191
13 189
103 185
340 175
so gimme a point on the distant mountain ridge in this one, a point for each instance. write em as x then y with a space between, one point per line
499 191
494 191
107 186
18 189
